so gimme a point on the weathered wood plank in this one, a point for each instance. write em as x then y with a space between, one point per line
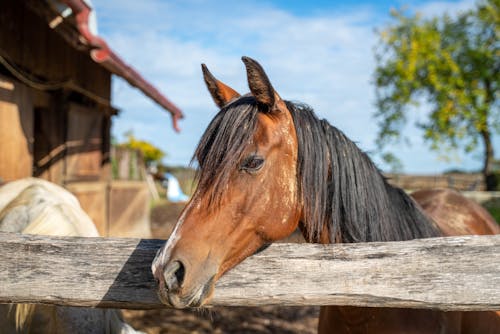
459 273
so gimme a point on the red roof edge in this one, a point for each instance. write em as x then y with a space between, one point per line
102 54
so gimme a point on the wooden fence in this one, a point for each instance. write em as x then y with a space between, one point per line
458 273
462 182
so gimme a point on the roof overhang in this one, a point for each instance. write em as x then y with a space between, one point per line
102 54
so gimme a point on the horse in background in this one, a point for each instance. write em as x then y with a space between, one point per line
36 206
268 166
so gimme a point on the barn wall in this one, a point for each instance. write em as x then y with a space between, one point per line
48 134
57 134
50 119
84 144
94 201
27 40
16 130
118 208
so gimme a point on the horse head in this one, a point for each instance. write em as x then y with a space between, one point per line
247 194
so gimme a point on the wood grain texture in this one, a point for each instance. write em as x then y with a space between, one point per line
457 273
16 130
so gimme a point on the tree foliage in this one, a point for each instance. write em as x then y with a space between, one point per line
150 153
449 65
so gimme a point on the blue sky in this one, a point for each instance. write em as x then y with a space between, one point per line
318 52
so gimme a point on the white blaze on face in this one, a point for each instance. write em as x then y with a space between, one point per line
163 255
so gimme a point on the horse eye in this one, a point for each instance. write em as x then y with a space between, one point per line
252 163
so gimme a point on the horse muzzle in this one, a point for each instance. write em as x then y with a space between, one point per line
180 286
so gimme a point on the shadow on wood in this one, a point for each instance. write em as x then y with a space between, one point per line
135 283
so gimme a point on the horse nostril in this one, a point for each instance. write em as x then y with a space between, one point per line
179 274
174 275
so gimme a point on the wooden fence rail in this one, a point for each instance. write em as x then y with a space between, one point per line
459 273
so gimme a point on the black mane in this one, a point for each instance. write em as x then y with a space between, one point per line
339 185
357 202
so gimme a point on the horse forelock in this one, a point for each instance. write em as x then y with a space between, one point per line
221 147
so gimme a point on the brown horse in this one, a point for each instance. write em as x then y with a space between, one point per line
268 166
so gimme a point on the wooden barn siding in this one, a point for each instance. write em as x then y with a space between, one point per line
129 209
93 197
27 40
50 139
43 135
84 158
57 142
16 130
118 208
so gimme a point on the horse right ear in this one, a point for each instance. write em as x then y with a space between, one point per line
259 84
220 92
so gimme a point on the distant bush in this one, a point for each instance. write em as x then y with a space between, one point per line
494 179
495 212
150 153
456 171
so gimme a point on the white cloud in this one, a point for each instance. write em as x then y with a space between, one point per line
325 60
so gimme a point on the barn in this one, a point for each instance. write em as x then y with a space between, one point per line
56 111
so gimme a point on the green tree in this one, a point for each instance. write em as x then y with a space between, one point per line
150 153
449 66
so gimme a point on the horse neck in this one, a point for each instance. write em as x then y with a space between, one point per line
364 206
344 193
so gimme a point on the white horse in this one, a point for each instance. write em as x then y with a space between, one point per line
36 206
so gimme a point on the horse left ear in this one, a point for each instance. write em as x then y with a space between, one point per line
221 93
259 84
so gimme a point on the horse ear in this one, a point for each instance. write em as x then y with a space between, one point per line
220 92
259 83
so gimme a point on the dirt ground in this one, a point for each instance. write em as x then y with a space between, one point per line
258 320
